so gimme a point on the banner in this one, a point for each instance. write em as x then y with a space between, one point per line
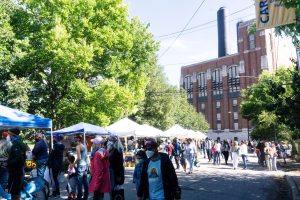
272 13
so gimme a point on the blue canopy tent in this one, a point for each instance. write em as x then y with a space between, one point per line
11 118
82 127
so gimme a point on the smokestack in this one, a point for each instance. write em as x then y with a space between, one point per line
222 32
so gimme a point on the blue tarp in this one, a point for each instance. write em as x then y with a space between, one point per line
81 127
11 118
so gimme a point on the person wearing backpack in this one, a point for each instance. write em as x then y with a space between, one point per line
176 152
15 164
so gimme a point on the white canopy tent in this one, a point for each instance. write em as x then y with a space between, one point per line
148 131
124 127
85 128
176 131
195 134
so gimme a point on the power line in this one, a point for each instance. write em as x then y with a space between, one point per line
171 36
206 23
182 29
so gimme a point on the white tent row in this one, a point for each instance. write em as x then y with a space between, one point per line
180 132
126 127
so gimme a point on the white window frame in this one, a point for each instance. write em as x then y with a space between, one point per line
218 116
202 106
235 115
236 126
219 126
234 102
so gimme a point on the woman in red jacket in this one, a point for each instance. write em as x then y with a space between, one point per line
100 182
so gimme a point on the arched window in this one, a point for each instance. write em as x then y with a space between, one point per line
233 79
202 84
217 84
188 86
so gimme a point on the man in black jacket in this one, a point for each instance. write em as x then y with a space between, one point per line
16 160
55 162
158 179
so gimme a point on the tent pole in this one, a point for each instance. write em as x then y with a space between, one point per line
84 138
51 136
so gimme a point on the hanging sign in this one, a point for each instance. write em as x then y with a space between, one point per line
272 13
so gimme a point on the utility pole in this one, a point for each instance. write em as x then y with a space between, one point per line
298 28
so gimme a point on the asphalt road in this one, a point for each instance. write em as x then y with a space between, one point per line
211 182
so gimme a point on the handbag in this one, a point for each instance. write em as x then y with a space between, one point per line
118 194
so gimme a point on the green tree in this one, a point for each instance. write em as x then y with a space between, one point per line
265 104
186 115
165 106
77 48
157 107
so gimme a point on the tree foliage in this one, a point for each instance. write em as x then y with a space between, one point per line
76 49
267 105
165 106
291 30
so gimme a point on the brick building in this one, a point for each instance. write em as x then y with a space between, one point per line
213 86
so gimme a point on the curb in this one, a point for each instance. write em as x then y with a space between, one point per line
293 187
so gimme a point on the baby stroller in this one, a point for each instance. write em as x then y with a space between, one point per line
34 187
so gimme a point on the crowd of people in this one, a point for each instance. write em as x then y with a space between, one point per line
102 171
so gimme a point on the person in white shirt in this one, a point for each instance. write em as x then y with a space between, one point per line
244 153
191 154
218 152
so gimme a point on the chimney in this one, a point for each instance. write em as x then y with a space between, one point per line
222 32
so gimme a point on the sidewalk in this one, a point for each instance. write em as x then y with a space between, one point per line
292 169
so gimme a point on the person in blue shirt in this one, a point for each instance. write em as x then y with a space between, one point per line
158 179
140 158
40 154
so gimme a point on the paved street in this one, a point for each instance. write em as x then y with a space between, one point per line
211 182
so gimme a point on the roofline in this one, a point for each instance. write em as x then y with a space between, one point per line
207 61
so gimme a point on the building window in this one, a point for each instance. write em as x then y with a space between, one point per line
233 79
218 126
234 102
218 104
251 41
189 87
236 126
202 106
235 115
202 84
264 62
218 116
217 84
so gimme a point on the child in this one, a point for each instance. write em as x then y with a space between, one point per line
72 180
140 157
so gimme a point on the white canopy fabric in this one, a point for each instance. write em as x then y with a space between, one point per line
195 135
148 131
124 127
176 131
82 127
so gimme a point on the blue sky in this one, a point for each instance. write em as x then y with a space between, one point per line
199 43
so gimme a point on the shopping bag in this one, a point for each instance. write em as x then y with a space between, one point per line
118 194
47 175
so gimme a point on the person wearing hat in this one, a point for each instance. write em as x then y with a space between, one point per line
15 164
82 168
55 162
100 182
5 146
40 154
158 179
